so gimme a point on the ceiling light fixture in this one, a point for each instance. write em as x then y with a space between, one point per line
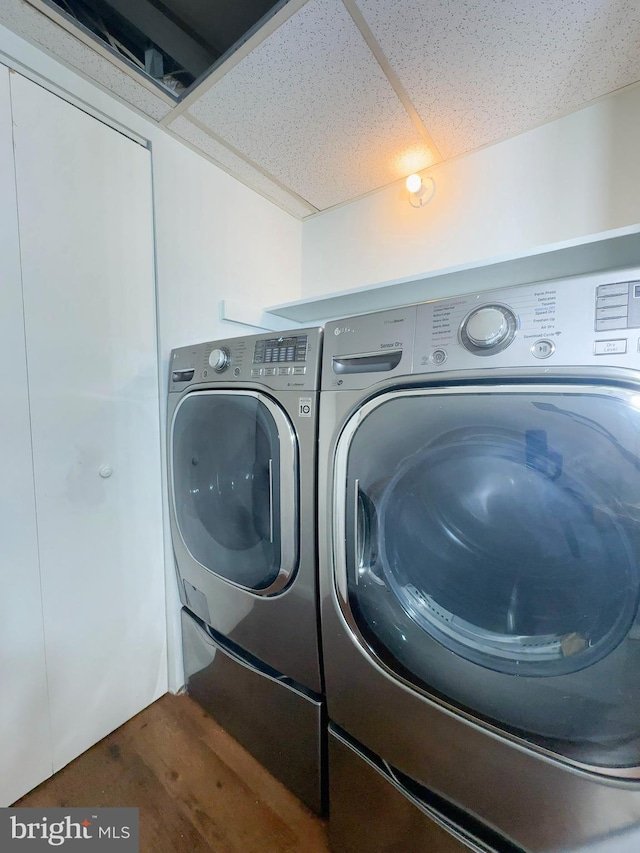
420 192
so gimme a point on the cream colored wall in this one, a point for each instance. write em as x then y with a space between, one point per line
570 178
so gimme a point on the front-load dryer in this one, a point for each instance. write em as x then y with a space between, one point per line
242 435
480 564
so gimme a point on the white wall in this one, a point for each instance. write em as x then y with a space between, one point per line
568 179
215 239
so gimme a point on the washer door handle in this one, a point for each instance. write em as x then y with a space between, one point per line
271 501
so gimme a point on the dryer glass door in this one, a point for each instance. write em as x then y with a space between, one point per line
492 556
234 477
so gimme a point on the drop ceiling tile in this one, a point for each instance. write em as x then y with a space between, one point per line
239 167
25 21
311 106
478 71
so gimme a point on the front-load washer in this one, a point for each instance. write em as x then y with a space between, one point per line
242 436
480 560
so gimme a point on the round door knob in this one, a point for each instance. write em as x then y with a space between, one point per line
488 329
219 359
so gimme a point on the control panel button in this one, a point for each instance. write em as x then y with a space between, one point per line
269 371
543 349
299 371
613 311
438 356
613 289
219 359
610 347
284 371
609 301
606 325
257 371
488 329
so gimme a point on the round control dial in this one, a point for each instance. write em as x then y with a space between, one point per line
488 329
219 359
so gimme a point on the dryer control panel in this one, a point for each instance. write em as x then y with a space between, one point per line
582 321
290 361
579 321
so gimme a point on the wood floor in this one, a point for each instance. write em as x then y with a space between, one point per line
197 789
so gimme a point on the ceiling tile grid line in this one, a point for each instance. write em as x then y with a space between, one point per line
317 111
479 71
31 24
392 77
246 160
202 142
203 86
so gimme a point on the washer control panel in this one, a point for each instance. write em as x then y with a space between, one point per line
289 361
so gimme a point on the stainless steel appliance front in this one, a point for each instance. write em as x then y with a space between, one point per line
480 553
242 430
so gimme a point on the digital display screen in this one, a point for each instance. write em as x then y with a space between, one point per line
279 350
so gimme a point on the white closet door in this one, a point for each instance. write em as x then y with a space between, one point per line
85 213
25 746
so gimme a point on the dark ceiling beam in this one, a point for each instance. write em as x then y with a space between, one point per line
166 34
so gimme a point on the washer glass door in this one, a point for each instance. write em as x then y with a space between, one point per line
492 547
234 477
